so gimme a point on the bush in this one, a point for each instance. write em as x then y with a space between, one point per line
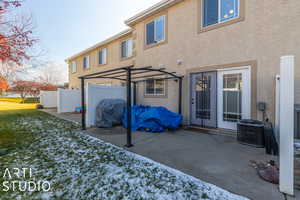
32 100
39 106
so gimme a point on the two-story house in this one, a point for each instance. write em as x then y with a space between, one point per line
228 51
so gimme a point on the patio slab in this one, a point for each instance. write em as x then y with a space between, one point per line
217 159
74 117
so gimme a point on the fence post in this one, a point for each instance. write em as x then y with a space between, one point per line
58 100
277 107
287 125
83 114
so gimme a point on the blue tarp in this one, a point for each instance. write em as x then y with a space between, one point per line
152 119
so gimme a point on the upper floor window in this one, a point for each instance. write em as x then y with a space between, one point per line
73 67
127 48
218 11
155 30
86 62
154 87
102 56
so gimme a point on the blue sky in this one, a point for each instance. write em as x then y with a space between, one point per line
66 27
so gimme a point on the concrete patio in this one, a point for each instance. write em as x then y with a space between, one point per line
217 159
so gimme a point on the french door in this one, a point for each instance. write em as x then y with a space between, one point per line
234 97
203 99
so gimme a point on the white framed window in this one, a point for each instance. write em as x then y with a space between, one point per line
155 87
73 67
86 62
103 56
219 11
156 30
127 48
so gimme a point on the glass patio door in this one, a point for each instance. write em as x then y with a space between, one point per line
234 97
204 99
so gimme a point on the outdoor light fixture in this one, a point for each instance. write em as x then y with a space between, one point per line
179 62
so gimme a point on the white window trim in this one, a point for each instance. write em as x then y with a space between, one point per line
155 94
104 56
87 62
219 14
127 49
73 67
155 21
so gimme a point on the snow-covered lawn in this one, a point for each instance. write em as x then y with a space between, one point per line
81 167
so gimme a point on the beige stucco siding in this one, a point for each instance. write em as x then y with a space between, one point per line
270 30
267 30
113 61
172 90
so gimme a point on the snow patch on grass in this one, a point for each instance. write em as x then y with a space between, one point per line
82 167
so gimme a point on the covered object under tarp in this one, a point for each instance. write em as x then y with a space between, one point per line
132 76
152 119
109 112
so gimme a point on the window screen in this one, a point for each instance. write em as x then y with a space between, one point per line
217 11
155 30
155 87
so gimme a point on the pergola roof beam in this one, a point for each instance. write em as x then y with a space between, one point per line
133 73
148 76
166 78
158 70
107 71
104 77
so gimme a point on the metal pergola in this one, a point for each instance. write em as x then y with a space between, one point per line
130 75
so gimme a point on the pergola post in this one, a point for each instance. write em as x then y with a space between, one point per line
134 92
129 142
120 74
180 96
83 125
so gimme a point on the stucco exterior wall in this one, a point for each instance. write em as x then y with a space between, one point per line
269 30
113 61
171 102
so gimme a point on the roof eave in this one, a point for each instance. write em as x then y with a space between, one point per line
151 11
111 39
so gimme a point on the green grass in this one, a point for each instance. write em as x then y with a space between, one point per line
10 106
12 138
81 167
19 100
21 131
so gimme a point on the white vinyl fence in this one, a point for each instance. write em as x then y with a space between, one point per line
48 99
68 100
96 93
286 124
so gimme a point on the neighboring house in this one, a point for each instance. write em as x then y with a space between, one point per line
228 50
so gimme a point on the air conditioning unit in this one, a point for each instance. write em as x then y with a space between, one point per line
251 132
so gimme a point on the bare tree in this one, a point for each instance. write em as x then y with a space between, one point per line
17 41
8 70
16 33
52 73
